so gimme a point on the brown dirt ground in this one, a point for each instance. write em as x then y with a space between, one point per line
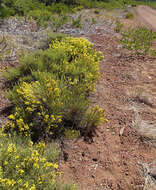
110 161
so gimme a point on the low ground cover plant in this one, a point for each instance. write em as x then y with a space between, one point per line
51 88
138 39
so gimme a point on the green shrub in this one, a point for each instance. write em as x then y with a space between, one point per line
77 8
152 4
24 165
97 11
59 8
44 17
58 21
138 39
53 86
93 21
129 15
22 7
77 22
93 117
119 26
41 16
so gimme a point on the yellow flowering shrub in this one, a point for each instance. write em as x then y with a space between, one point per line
25 165
73 60
81 67
53 88
38 110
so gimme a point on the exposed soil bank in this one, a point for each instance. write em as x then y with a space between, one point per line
147 16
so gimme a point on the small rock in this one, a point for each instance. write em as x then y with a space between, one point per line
121 131
65 155
95 159
83 154
95 166
126 173
153 173
117 55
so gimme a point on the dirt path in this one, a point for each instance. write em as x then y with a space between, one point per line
127 90
147 16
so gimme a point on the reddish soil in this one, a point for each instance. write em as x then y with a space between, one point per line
110 161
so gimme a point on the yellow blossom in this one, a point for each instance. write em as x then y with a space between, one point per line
33 187
11 117
21 171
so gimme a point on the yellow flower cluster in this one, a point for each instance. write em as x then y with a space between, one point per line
25 167
82 59
17 124
79 47
33 101
69 71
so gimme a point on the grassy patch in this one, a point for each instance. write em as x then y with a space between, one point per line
138 39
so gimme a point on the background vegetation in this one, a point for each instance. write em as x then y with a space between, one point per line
33 7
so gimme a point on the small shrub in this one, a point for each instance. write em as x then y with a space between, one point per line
129 15
72 134
118 26
97 11
93 117
6 45
94 21
22 7
138 39
41 16
77 22
77 8
44 18
153 52
58 21
59 8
